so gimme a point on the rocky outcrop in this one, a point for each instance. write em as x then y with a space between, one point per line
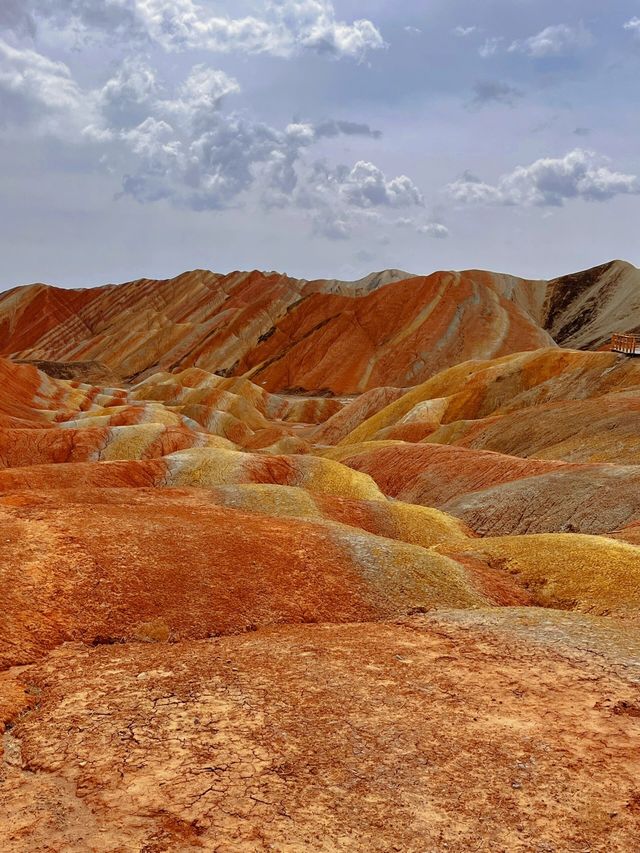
584 310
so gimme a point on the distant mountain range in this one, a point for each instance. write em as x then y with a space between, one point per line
287 335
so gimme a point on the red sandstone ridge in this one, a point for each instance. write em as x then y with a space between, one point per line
272 326
320 566
290 334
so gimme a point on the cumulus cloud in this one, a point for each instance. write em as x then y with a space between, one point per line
128 97
365 185
549 182
494 91
312 25
36 89
431 229
200 96
558 40
633 26
184 143
204 162
182 146
185 147
434 229
331 225
340 199
287 27
134 94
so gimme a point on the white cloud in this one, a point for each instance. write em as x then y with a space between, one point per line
633 26
184 147
200 96
559 40
180 143
365 185
326 223
159 161
414 31
301 133
288 27
463 32
127 98
434 229
341 199
206 167
490 47
549 182
134 94
35 89
315 27
431 229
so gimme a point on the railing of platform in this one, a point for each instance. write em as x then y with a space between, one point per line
627 344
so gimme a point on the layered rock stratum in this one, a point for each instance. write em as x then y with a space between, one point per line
315 565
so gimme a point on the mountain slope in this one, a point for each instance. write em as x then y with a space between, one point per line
583 310
389 328
285 333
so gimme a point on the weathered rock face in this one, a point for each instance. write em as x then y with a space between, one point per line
240 618
583 310
322 336
283 333
399 335
552 404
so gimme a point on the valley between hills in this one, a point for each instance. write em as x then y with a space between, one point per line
323 566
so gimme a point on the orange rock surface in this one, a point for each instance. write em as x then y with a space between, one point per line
323 566
283 333
388 329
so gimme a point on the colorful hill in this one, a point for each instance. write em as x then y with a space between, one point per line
291 565
284 333
289 334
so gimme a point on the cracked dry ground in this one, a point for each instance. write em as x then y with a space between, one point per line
458 731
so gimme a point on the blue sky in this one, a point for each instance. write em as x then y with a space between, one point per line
145 137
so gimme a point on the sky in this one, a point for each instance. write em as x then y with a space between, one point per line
142 138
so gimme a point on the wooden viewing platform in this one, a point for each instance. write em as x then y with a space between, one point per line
627 344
